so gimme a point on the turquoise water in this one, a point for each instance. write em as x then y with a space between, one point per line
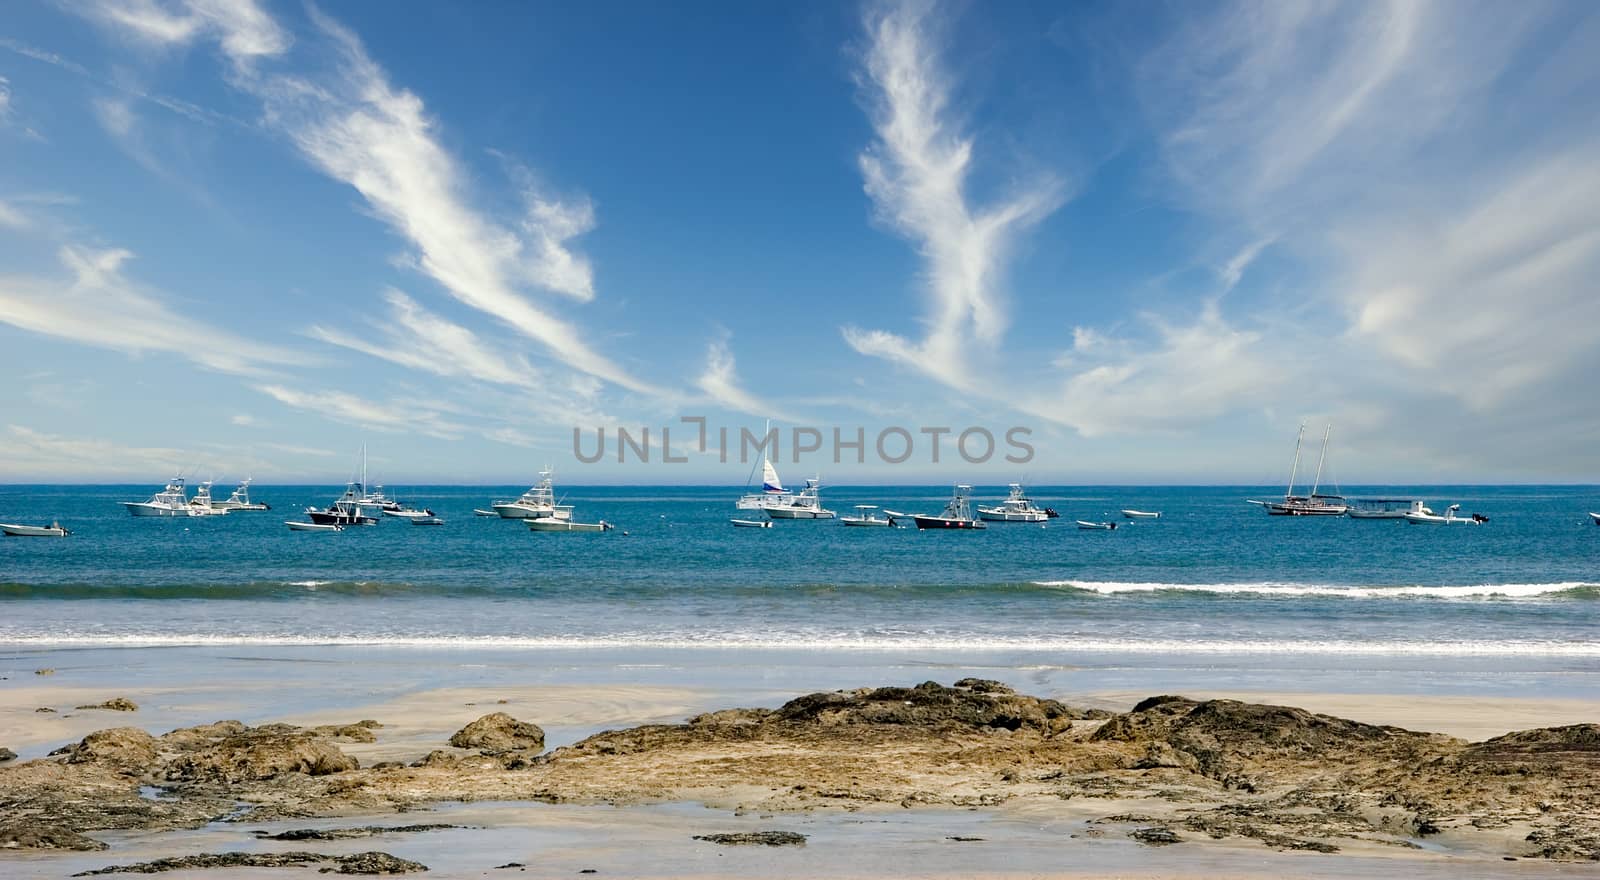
1213 576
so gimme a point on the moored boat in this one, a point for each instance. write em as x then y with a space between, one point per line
240 500
751 523
170 501
1595 517
1016 508
865 517
957 514
478 511
1386 508
806 505
539 502
53 530
1449 518
551 524
200 504
1102 526
1142 514
347 511
297 526
428 520
1315 503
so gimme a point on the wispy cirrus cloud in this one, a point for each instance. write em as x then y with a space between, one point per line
42 454
242 28
96 304
405 415
917 173
720 382
417 338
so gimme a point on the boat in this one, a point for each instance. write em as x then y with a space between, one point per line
1595 517
1449 518
478 511
957 514
751 523
1016 508
427 520
539 502
347 511
53 530
1142 514
297 526
806 505
865 517
551 524
1385 508
200 504
772 491
171 501
240 500
1103 526
1314 504
409 513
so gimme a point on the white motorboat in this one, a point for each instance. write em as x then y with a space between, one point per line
551 524
171 501
240 500
865 517
53 530
1016 508
539 502
1142 514
200 504
1314 504
957 514
428 519
408 513
296 526
751 523
478 511
806 505
1386 508
1102 526
347 511
1449 518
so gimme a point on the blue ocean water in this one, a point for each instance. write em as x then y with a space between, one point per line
1214 575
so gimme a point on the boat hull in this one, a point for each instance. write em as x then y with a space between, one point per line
1141 514
426 521
514 510
1094 526
145 508
751 523
1423 519
295 526
335 518
1595 517
234 505
551 524
1027 516
799 513
940 522
869 521
21 531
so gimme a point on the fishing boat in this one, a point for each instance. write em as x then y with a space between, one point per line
1102 526
240 500
751 523
1449 518
200 504
865 517
806 505
1142 514
297 526
53 530
957 514
171 501
539 502
1314 504
551 524
1016 508
1386 508
347 511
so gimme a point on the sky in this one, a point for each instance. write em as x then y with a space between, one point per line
248 237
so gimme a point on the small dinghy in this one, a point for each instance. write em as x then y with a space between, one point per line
478 511
1098 526
751 523
865 517
1142 514
53 530
429 520
1449 518
297 526
551 524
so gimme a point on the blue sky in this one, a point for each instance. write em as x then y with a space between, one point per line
241 237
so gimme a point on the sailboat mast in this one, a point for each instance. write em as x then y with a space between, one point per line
1320 459
1295 469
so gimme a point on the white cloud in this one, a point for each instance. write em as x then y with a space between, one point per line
244 31
32 452
421 340
12 218
405 416
917 173
720 382
96 305
243 420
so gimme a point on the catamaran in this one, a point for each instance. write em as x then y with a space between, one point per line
240 500
806 505
772 493
1017 508
1314 504
539 502
171 501
957 514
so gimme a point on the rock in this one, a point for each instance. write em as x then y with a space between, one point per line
437 758
930 704
755 838
360 863
253 755
45 671
7 755
348 833
115 704
1155 836
45 710
126 748
31 834
375 863
360 732
499 732
190 738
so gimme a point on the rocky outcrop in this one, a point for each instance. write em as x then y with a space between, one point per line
7 755
499 732
360 863
755 838
262 753
129 749
115 704
37 835
970 703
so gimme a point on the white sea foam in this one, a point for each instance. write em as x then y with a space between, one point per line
1481 591
312 584
788 641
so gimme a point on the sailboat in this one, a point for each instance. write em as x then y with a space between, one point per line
772 493
1314 504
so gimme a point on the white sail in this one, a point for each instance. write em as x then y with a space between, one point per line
769 477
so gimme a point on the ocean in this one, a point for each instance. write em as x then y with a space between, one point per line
1213 576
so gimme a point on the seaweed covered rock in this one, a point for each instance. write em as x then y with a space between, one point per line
262 753
499 732
37 835
972 704
126 748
